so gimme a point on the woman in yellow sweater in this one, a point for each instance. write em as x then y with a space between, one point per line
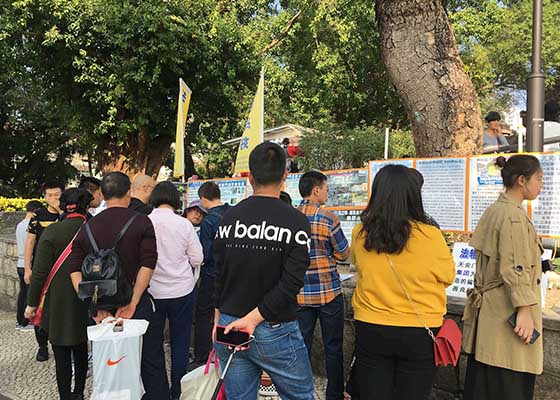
394 353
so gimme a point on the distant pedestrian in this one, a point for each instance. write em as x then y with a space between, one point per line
92 185
492 136
42 218
195 213
65 317
397 251
503 360
173 282
21 237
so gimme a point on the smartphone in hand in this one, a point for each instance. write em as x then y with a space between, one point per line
513 322
233 338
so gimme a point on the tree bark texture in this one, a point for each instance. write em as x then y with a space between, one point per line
140 154
421 57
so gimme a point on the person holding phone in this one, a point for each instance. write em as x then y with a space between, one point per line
504 359
261 255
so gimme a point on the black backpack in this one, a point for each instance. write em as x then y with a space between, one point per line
103 280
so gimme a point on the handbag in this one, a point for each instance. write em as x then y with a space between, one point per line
200 383
36 320
447 343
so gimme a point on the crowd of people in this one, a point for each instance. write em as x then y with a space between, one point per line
269 269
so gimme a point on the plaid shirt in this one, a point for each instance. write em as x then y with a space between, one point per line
328 244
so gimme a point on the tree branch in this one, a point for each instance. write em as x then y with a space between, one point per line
284 33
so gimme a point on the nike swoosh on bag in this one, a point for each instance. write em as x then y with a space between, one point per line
111 363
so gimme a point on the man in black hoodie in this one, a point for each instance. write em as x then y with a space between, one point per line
142 186
210 199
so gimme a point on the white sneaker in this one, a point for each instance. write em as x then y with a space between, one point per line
267 390
27 328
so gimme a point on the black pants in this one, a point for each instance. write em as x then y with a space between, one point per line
331 318
154 376
393 363
21 299
42 337
204 318
63 359
484 382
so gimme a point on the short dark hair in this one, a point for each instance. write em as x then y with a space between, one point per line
115 185
89 183
52 185
210 191
165 193
493 116
516 166
33 205
267 163
395 205
309 181
75 200
286 198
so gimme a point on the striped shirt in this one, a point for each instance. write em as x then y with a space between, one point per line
328 244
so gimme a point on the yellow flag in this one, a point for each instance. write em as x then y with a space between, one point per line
182 109
253 134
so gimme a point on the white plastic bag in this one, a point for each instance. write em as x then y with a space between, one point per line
200 383
116 359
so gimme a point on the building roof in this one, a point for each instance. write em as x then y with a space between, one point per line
286 130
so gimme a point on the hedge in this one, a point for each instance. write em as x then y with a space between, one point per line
14 204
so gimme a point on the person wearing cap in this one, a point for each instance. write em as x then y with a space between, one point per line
195 213
492 136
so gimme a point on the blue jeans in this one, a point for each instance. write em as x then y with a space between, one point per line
179 312
331 318
279 350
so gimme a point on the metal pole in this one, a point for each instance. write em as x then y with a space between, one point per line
535 85
386 153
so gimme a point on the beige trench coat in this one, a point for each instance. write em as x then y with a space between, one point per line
508 275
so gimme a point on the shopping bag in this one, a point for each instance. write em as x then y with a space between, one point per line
116 359
199 384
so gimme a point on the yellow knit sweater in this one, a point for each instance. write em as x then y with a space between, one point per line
426 268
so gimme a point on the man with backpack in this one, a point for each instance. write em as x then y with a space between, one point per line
210 200
127 239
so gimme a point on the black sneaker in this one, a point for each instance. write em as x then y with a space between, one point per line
77 396
42 354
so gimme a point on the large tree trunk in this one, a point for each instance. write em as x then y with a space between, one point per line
139 155
421 57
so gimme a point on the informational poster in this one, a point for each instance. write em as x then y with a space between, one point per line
292 188
546 209
375 166
444 191
485 186
192 190
348 220
348 188
465 267
232 190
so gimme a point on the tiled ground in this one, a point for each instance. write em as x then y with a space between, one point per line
23 378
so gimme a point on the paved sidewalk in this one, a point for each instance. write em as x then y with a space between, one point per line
23 378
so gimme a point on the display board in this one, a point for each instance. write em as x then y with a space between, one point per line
348 188
546 209
292 188
375 166
348 220
485 186
464 257
444 193
232 190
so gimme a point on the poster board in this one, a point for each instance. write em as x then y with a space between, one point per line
291 187
444 193
375 166
348 220
464 257
233 190
545 210
348 189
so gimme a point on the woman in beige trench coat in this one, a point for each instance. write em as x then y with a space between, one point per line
502 363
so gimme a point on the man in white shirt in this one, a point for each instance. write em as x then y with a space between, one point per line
21 237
